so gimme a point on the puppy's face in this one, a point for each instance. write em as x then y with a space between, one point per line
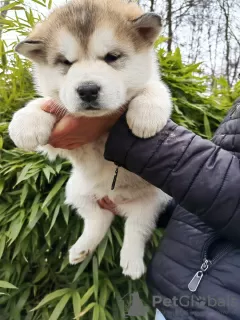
91 55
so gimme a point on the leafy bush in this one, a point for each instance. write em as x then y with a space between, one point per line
37 229
195 106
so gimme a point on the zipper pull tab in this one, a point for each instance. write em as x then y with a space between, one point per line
115 178
194 283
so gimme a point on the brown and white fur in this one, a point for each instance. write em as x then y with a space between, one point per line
70 48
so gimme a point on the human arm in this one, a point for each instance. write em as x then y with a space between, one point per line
200 176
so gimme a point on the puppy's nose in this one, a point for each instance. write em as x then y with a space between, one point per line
88 91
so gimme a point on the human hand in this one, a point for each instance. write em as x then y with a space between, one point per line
107 204
72 132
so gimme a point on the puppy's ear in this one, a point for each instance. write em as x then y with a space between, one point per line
33 46
32 49
149 26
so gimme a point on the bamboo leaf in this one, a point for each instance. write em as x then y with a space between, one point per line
87 309
66 213
207 126
96 312
87 295
76 300
16 226
1 142
102 315
55 215
23 173
104 294
6 285
101 249
108 315
24 194
40 275
51 296
59 307
95 277
64 264
82 267
2 244
54 191
117 236
39 2
9 6
23 300
49 4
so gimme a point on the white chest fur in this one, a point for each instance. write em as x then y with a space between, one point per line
92 176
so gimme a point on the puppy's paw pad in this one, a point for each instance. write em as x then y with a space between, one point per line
133 267
77 255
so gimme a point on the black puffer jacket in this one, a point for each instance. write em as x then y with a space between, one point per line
203 177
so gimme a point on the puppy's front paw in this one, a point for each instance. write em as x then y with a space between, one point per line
31 127
132 265
145 118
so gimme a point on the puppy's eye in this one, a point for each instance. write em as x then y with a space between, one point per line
112 57
66 62
60 59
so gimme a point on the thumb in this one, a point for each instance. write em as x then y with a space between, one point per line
53 108
65 124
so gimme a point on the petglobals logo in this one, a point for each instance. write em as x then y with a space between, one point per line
135 306
195 301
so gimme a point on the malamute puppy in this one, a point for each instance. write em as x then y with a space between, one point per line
92 57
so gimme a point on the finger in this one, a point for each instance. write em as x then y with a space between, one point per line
64 145
73 146
52 107
108 204
65 125
108 201
100 203
103 204
65 141
104 199
62 137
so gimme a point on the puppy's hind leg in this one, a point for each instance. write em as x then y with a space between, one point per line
96 224
141 216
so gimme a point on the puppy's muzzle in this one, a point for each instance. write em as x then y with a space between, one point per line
88 92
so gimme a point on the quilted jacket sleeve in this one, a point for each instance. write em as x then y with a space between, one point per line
201 176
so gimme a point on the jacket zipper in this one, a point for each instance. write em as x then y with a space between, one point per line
207 263
194 283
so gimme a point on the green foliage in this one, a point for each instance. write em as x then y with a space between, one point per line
195 106
37 229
